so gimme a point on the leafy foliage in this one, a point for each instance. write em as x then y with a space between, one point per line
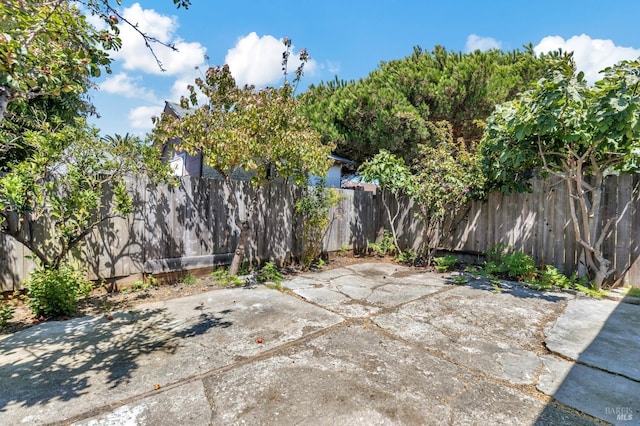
392 174
54 292
408 256
447 177
385 246
270 273
7 310
223 278
313 213
50 201
577 133
445 263
261 131
391 108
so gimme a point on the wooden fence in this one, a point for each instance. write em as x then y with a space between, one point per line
189 227
539 224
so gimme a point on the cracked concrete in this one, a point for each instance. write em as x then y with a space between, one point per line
365 344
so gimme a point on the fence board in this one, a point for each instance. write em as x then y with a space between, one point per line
609 211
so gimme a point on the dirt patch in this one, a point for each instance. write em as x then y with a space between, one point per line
103 300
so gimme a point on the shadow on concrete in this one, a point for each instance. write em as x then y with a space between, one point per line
55 361
603 340
511 288
594 367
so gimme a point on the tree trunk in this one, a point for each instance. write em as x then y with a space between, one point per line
238 255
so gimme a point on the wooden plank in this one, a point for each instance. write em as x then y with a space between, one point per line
547 236
570 244
609 211
632 277
559 224
623 224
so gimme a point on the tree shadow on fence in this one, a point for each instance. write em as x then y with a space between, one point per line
65 360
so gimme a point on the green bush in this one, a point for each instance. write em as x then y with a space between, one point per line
224 279
7 309
189 279
445 263
385 246
270 273
55 292
504 263
551 278
408 256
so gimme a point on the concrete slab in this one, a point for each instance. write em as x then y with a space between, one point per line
158 343
496 333
350 376
609 397
181 405
399 347
601 333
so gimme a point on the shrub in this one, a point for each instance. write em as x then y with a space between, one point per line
7 309
409 256
385 246
446 263
503 263
551 278
55 292
270 273
189 279
313 213
223 278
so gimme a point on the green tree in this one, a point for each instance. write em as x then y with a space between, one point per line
447 176
261 131
50 201
393 175
49 53
391 108
575 132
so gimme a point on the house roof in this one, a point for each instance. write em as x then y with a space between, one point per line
176 109
340 159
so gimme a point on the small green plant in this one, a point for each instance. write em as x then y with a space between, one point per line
504 263
461 280
270 274
590 288
189 279
245 268
136 286
55 292
550 278
7 309
385 246
632 292
224 279
343 250
446 263
407 256
312 211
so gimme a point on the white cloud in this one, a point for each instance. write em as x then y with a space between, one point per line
123 84
333 67
257 60
476 42
591 55
135 55
140 117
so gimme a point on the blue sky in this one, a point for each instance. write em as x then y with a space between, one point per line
344 38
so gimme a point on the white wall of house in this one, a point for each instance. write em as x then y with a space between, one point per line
332 179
